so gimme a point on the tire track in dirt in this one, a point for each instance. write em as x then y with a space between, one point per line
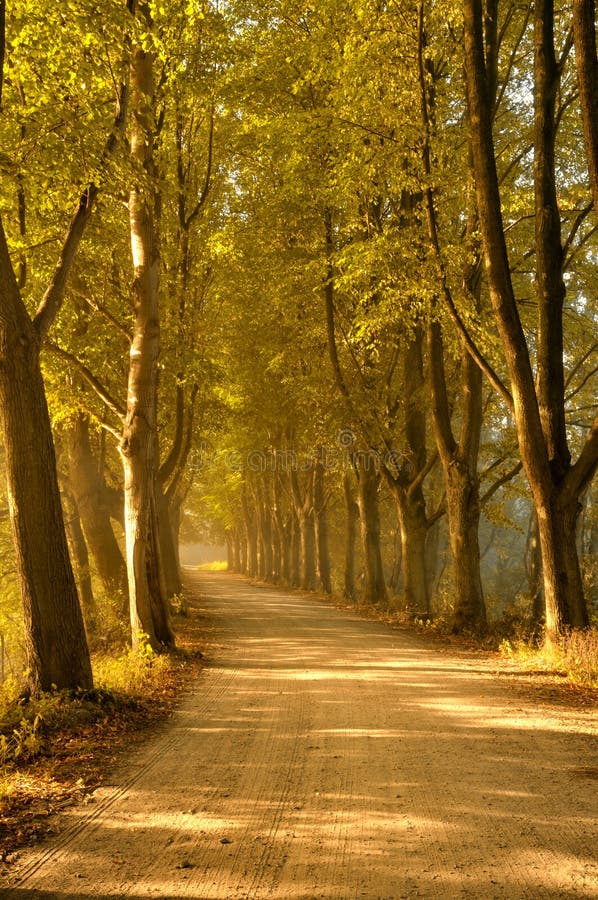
326 756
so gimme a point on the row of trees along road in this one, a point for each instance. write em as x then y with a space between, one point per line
278 267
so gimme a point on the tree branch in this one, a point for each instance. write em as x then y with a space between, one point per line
208 179
508 476
54 295
580 474
89 377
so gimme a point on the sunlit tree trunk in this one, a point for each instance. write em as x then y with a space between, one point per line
304 508
533 559
308 551
265 532
230 565
351 525
321 529
80 557
397 565
93 504
282 527
459 463
251 533
171 570
413 525
55 642
148 602
368 482
242 551
175 514
406 484
586 57
295 561
538 408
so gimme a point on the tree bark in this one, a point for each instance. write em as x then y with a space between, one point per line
169 559
282 527
414 525
80 556
459 463
321 529
89 491
265 533
397 565
463 508
406 484
295 550
148 603
368 482
242 551
534 571
584 30
555 485
250 531
56 646
351 521
308 551
304 508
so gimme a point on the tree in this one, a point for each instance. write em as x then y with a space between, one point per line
55 638
538 403
139 443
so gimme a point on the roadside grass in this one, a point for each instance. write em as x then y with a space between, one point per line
55 748
217 566
574 656
574 659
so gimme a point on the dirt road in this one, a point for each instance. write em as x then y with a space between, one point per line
326 756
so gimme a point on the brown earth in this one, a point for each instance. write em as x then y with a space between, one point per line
323 755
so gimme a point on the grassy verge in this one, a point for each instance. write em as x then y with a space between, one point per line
55 749
574 657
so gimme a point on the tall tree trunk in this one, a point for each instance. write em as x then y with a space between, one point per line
80 557
90 495
351 521
169 558
174 515
586 57
148 603
295 539
308 550
459 463
261 548
56 647
265 532
321 529
275 535
397 565
463 508
533 559
250 531
281 527
236 550
406 482
242 551
230 559
555 484
414 529
368 482
565 606
304 508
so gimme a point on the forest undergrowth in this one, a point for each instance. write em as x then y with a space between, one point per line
55 749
